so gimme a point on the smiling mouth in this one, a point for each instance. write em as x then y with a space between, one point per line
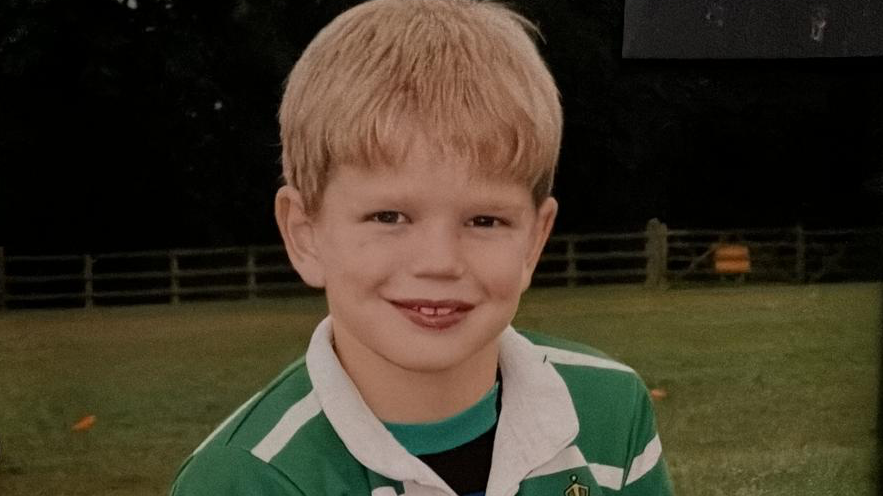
433 314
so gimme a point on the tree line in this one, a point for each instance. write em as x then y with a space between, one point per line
135 124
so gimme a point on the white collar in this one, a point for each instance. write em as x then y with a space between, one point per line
537 420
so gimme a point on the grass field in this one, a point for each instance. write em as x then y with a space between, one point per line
772 389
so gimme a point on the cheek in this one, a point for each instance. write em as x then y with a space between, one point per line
352 262
500 270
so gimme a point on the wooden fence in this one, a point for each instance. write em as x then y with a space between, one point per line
657 257
792 255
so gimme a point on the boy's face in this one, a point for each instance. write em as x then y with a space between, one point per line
423 264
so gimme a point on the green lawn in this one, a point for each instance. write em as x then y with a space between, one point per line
772 389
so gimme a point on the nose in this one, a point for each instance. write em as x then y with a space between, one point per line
438 252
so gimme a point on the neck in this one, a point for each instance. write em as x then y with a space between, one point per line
400 395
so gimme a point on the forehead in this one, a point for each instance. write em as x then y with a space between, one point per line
426 172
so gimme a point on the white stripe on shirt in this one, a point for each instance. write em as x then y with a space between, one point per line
568 459
566 357
291 421
571 458
607 475
644 462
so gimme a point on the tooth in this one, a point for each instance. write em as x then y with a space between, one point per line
427 310
444 310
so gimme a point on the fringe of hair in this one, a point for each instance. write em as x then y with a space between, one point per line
464 73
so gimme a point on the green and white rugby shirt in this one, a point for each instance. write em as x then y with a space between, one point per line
572 422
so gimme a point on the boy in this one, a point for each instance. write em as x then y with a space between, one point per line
420 139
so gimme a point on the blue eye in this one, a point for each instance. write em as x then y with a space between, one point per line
388 217
485 221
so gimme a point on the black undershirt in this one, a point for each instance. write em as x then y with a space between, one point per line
467 467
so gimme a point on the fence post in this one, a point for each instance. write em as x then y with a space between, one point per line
2 279
571 263
252 277
87 279
173 269
657 254
800 262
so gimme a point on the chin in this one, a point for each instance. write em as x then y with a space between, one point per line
436 357
428 364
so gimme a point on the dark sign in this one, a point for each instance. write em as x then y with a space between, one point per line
752 28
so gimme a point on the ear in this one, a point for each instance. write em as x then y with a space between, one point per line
297 232
539 235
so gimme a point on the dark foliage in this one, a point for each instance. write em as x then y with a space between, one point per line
130 125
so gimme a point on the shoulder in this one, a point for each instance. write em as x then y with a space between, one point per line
602 389
617 432
269 445
224 470
289 393
606 394
579 358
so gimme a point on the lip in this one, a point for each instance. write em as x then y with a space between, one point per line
447 313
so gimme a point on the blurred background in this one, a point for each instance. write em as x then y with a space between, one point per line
721 174
135 124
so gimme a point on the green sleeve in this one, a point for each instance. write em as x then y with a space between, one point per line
226 471
646 473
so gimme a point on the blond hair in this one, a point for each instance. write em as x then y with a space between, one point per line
466 71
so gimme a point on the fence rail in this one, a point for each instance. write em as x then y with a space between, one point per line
658 257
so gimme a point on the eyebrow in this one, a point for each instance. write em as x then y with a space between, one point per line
497 206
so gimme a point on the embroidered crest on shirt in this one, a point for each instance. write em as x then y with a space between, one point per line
575 488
